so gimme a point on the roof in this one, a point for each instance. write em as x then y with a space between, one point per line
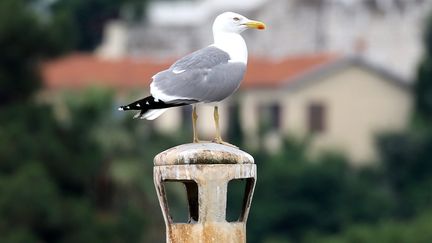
265 73
78 71
314 75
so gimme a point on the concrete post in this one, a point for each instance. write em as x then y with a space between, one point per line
205 169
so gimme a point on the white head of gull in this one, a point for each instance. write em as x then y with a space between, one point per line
226 33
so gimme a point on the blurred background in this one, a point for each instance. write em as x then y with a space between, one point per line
336 108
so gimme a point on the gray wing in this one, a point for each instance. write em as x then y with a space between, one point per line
203 76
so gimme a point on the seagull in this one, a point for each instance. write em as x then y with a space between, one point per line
208 75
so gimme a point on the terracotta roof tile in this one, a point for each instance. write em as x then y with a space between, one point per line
263 73
79 71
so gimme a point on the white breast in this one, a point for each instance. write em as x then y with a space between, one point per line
233 44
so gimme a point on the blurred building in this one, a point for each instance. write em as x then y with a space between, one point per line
341 103
385 32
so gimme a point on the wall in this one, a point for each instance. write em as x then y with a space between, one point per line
359 104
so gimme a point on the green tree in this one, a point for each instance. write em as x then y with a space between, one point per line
418 230
54 181
423 84
407 171
296 195
24 41
406 156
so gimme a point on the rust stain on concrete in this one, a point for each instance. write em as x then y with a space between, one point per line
207 233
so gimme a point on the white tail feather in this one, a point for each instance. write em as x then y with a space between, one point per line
153 114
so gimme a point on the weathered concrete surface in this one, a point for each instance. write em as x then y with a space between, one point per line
208 233
212 183
210 166
203 153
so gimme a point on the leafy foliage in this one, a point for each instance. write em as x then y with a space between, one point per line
54 184
408 171
423 84
24 40
417 230
296 195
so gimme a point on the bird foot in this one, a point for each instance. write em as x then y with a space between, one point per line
220 141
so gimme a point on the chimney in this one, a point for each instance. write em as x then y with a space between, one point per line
205 169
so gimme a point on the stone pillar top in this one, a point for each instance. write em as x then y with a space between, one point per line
202 153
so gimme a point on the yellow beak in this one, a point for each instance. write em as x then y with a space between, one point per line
255 25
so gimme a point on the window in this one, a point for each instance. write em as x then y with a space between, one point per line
233 114
275 112
270 117
234 125
186 116
316 116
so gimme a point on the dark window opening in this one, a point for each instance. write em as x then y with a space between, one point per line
182 208
186 117
234 124
270 117
316 116
238 198
275 113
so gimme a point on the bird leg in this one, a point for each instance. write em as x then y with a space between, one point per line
194 126
218 138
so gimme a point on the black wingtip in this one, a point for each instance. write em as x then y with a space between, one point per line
148 103
124 108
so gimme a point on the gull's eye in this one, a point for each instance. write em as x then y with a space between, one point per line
236 18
